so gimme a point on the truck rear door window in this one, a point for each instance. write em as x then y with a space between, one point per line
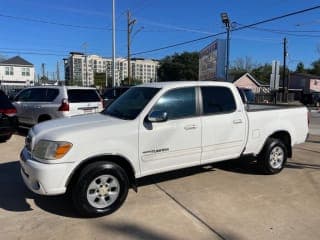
217 100
83 95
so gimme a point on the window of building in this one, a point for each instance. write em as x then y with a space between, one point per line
9 71
25 71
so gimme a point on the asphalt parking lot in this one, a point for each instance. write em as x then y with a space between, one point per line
229 200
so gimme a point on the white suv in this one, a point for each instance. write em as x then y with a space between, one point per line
38 104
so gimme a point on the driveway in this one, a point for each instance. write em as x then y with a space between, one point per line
229 200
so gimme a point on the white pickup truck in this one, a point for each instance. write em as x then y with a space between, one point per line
154 128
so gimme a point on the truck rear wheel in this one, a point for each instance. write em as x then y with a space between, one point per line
101 189
273 156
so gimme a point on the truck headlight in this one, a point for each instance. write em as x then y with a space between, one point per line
51 150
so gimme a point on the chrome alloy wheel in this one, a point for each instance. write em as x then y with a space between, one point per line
103 191
276 157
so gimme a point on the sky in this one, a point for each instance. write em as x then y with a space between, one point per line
46 31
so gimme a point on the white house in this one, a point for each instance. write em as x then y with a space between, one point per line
249 82
16 71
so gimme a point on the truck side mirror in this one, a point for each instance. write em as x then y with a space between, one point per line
158 116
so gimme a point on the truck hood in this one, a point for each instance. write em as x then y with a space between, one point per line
64 128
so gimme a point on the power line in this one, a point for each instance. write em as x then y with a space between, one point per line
235 29
34 53
175 28
179 44
33 50
55 23
286 32
277 18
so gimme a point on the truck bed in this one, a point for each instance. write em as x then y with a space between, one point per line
267 107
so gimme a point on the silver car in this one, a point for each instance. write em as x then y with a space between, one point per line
38 104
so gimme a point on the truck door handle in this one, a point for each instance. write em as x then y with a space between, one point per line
237 121
190 127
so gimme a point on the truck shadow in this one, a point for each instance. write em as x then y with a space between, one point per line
162 177
15 196
299 165
313 141
246 165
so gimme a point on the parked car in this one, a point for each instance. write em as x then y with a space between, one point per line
38 104
8 119
111 94
155 128
12 93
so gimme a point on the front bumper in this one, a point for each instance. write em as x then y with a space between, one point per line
42 178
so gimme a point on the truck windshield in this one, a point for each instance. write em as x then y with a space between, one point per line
129 105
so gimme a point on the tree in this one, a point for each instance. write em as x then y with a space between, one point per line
44 79
300 68
179 67
315 67
241 66
262 73
99 80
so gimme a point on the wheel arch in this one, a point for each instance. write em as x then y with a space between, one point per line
116 159
285 137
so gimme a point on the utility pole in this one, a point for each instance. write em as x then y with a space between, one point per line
85 46
284 82
43 73
130 25
58 72
113 45
226 20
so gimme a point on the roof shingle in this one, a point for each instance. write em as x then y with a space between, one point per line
16 61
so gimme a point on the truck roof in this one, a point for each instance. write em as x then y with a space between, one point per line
185 84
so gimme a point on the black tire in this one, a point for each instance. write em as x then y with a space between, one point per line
273 156
80 189
5 138
44 118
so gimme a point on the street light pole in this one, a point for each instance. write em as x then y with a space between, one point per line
228 52
113 45
225 19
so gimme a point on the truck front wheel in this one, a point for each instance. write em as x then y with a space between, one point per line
273 156
101 189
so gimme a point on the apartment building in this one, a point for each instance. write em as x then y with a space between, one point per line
144 69
16 71
80 69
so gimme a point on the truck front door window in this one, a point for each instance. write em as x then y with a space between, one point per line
177 103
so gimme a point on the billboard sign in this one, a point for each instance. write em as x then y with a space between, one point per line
212 61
